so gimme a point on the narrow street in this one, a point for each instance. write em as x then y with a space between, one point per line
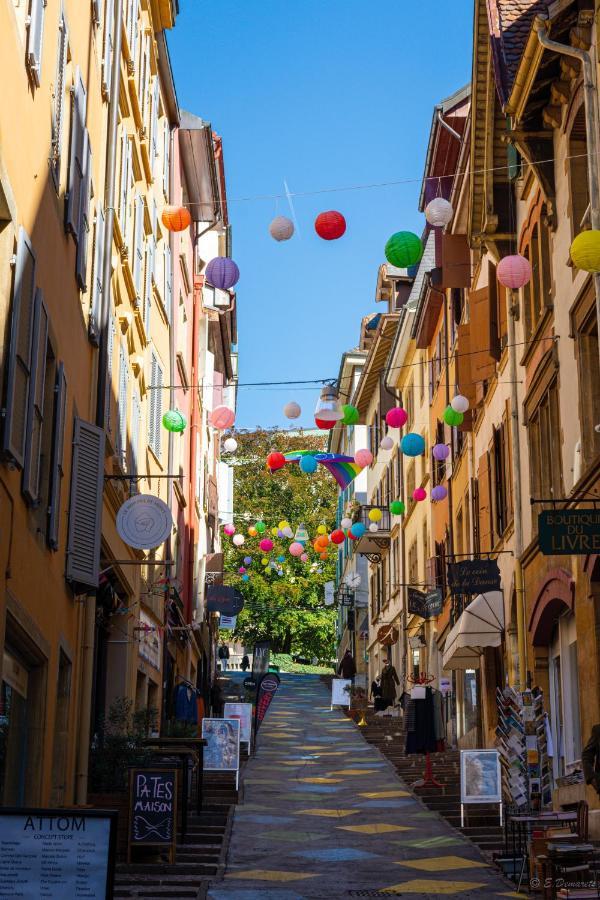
324 815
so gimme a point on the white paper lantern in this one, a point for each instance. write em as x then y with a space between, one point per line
238 539
281 228
387 443
288 532
459 404
346 523
292 410
230 445
373 526
439 212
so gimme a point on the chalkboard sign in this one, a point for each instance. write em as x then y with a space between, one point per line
152 809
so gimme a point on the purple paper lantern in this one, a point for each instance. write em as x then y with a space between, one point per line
222 273
441 451
439 492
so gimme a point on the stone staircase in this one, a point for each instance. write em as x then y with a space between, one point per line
481 822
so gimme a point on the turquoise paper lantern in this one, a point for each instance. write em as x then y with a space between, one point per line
308 464
412 444
358 529
404 249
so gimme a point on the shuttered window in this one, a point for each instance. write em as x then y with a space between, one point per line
136 418
133 27
122 405
97 11
143 82
166 159
138 247
483 364
58 104
484 506
56 458
109 370
97 271
35 404
19 352
85 507
150 251
124 183
107 50
154 124
83 218
35 37
168 271
76 156
155 410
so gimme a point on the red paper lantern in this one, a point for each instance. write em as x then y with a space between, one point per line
351 536
330 225
324 424
275 461
176 218
337 536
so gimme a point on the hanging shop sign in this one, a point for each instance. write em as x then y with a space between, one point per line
144 522
224 599
260 659
267 689
388 635
569 531
152 809
473 576
426 604
227 622
58 853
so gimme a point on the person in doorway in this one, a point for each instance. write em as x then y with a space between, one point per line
224 656
376 693
245 663
590 759
389 680
347 666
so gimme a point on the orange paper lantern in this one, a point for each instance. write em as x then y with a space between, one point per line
176 218
323 555
322 541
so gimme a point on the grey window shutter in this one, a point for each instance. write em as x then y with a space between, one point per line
166 160
152 401
34 39
136 417
134 27
19 352
97 11
122 406
98 267
138 246
107 55
109 369
125 179
154 123
56 459
59 101
168 293
83 228
158 411
75 179
35 404
150 251
85 507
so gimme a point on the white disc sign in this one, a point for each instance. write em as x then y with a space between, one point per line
144 522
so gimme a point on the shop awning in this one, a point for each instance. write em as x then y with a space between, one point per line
480 625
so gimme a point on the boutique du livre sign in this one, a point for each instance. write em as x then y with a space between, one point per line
569 531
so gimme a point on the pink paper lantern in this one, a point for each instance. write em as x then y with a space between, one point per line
363 458
419 494
513 271
304 557
396 417
222 417
266 545
296 549
229 529
242 570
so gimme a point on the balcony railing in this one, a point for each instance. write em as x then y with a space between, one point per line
373 542
383 525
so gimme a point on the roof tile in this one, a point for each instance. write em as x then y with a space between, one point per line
510 24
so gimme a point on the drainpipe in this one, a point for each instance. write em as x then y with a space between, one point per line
541 26
89 626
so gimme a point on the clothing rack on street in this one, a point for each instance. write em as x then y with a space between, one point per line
424 678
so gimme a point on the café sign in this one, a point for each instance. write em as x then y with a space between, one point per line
473 576
426 604
569 531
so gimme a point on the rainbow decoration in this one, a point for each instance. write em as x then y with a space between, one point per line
343 468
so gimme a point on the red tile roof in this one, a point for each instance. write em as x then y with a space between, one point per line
510 24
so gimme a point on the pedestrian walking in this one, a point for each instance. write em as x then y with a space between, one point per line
224 656
347 666
245 665
389 680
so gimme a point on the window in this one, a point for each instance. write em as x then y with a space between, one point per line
122 405
168 275
107 50
589 387
138 249
126 175
79 179
58 101
413 564
543 426
410 485
150 271
97 275
35 34
85 508
409 404
136 419
155 406
500 480
578 175
537 293
166 158
422 377
439 465
425 555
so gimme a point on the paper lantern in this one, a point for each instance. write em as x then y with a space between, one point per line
241 570
375 515
357 530
352 536
266 545
459 403
304 557
439 212
412 444
252 531
308 464
283 524
274 531
439 492
363 458
453 418
397 507
585 251
222 273
387 443
265 561
230 445
404 249
323 555
281 559
247 560
245 577
441 451
345 523
275 460
287 532
322 541
322 529
238 539
174 421
261 527
292 410
325 424
222 417
351 414
330 225
296 549
229 529
281 228
396 417
176 218
419 494
513 271
337 536
373 527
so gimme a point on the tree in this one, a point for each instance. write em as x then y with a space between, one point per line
284 601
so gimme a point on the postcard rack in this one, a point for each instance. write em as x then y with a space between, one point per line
521 739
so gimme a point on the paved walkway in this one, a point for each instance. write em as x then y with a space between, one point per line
324 815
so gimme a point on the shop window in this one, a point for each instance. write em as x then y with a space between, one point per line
500 482
578 175
537 293
564 696
589 387
61 731
470 709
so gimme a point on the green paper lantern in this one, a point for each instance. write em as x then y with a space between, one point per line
261 527
397 507
351 415
404 249
174 421
453 418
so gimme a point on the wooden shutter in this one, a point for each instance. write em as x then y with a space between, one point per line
109 369
456 261
59 100
98 267
83 218
464 374
150 250
138 246
85 507
494 328
19 352
107 53
76 160
502 315
134 27
35 403
484 509
158 409
483 365
56 459
34 39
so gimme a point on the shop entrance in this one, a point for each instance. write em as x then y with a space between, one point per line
564 698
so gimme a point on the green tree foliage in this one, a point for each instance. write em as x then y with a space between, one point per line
286 609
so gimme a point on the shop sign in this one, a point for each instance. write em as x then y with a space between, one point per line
267 689
473 576
152 808
249 683
144 522
569 531
57 853
227 622
222 750
260 659
426 604
224 599
340 691
149 646
480 780
388 635
243 712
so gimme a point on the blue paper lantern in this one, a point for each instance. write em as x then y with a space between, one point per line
281 559
308 464
358 529
412 444
245 577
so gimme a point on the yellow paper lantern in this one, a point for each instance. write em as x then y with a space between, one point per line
585 251
375 515
274 532
283 525
322 529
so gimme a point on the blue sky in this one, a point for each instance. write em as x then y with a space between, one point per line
325 94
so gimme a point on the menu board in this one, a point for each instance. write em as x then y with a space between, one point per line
222 750
243 712
48 853
152 807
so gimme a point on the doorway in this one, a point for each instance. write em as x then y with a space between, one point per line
565 725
